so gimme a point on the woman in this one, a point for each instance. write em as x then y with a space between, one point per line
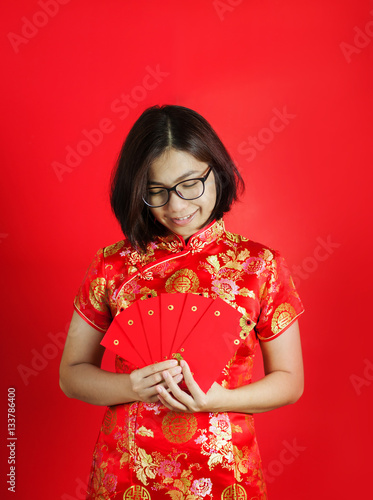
161 438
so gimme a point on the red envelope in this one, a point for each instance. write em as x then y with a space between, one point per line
172 305
151 321
211 343
194 308
203 331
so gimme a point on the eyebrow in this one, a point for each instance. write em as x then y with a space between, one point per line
182 177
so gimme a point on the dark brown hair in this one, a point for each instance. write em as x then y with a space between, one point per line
160 128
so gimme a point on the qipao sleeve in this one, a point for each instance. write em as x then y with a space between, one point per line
91 302
280 304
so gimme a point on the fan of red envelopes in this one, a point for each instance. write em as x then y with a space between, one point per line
203 331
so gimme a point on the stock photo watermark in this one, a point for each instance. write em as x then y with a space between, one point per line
121 108
226 6
287 456
40 358
255 144
309 265
362 38
80 491
11 440
31 26
365 380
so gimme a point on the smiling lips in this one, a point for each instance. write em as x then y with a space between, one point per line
182 221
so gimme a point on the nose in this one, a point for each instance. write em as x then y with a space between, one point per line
175 203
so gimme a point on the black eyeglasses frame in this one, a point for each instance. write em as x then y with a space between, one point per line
169 190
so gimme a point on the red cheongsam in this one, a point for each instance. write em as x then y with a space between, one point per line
145 451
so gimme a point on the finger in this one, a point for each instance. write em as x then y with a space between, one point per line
156 378
179 394
151 391
152 380
170 402
178 378
159 367
153 399
175 371
164 403
192 385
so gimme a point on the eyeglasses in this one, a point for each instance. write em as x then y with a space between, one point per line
191 189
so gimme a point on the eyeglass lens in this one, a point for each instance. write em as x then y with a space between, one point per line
189 190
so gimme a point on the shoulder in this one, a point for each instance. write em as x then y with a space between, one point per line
112 255
119 256
255 248
114 249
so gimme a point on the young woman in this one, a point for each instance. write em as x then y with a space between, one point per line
160 439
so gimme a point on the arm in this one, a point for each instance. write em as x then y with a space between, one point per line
281 385
82 378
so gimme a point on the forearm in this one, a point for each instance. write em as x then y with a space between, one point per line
93 385
274 390
277 388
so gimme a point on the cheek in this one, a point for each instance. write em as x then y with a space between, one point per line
156 213
211 199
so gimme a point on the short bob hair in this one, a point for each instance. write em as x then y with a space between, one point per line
158 129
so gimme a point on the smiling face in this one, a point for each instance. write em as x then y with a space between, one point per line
183 217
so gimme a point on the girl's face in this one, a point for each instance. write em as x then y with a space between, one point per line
183 217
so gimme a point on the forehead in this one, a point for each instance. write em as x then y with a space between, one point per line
172 165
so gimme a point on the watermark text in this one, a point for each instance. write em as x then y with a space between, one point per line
30 27
362 38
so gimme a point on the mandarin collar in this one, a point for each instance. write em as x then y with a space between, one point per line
208 234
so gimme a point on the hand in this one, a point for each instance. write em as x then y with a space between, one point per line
175 399
144 381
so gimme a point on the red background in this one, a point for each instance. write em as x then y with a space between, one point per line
235 62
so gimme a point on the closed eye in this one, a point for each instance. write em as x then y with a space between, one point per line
188 184
155 191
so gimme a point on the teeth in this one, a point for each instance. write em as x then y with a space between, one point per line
183 218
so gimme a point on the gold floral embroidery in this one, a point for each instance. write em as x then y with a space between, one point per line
127 294
183 281
217 444
254 265
235 238
267 255
112 249
170 243
133 257
179 427
147 293
97 294
164 268
232 260
110 420
247 325
234 492
136 492
213 232
145 467
227 269
263 292
282 316
143 431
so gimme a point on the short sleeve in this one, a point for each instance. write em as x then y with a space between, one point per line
91 302
280 304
